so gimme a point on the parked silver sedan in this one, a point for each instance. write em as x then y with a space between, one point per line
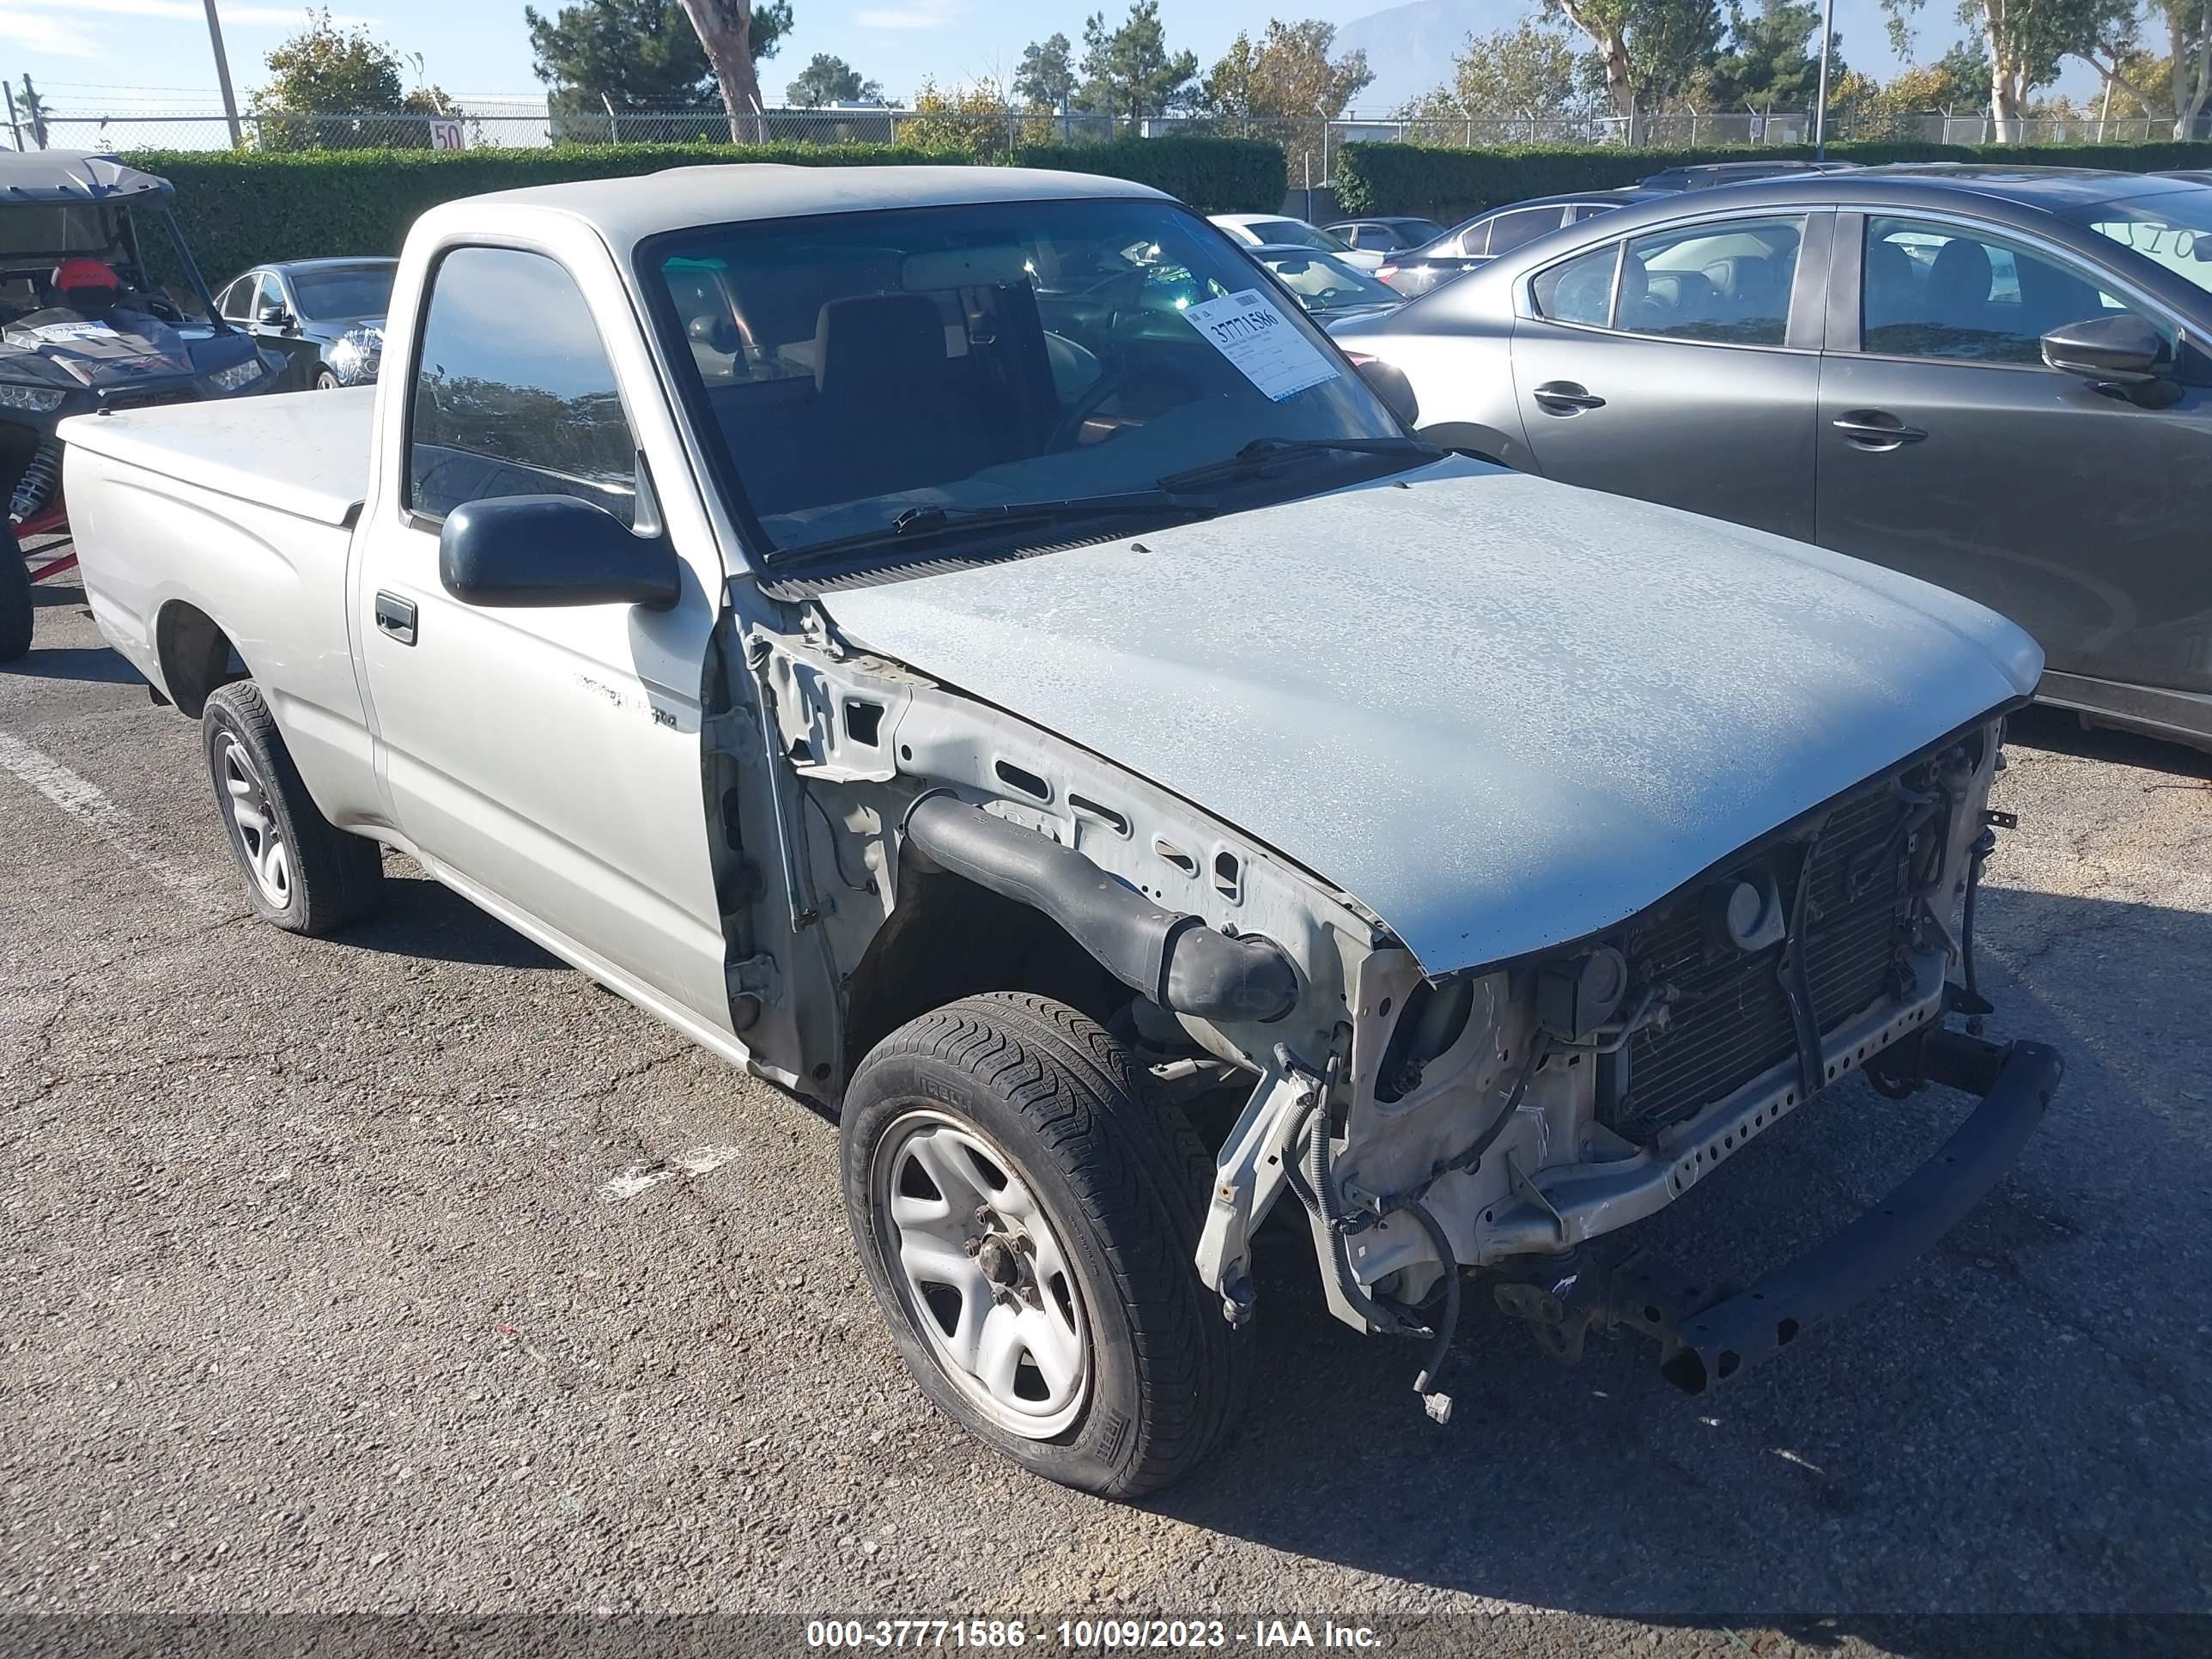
1997 380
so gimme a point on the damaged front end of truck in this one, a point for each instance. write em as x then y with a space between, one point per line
1511 1116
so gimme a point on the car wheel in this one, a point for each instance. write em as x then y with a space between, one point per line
1026 1209
302 873
326 381
15 596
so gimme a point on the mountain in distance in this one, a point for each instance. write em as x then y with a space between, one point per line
1410 47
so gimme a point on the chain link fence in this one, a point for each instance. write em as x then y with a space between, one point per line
1310 145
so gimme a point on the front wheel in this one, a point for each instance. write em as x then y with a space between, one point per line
302 873
14 595
326 381
1026 1209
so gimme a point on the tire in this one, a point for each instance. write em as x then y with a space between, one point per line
326 381
1101 1187
14 595
302 873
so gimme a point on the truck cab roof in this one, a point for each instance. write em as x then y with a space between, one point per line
626 210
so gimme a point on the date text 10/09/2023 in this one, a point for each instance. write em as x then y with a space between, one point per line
1086 1635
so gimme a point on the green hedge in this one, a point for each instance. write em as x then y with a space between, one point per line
243 208
1214 175
1451 184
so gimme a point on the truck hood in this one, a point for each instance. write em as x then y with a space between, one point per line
1501 713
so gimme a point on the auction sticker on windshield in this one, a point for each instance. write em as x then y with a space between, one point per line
1248 330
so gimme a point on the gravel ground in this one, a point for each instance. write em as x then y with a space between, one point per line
315 1295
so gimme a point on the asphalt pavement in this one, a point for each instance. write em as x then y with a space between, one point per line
410 1272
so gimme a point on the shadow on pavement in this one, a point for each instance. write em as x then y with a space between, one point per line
2017 1425
424 917
90 663
2063 733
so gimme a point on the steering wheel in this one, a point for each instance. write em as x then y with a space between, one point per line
1181 386
1088 402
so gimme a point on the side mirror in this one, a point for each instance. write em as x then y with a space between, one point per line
1387 381
273 315
2123 350
552 550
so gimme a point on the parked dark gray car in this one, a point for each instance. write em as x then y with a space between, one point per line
326 315
1996 380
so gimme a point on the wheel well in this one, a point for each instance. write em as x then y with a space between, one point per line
948 939
196 656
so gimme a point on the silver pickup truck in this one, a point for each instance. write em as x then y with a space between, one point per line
961 645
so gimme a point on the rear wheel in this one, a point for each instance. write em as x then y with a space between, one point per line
302 873
1026 1209
14 595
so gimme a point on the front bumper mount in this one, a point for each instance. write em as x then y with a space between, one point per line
1707 1334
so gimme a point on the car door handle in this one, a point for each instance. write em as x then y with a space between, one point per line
396 616
1871 428
1566 398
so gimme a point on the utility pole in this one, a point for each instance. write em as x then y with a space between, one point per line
15 131
222 76
1819 115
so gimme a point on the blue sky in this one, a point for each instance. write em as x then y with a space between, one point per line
96 55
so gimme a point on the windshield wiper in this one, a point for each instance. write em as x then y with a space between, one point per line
1263 452
921 525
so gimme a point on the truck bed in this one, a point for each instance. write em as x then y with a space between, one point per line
304 453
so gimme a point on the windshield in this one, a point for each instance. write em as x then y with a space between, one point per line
2174 230
1292 233
344 291
40 241
991 357
1322 284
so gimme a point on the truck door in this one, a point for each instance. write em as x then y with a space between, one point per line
546 759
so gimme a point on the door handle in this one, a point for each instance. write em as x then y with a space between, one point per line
396 616
1566 398
1874 429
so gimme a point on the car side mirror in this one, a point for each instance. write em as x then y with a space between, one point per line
1387 381
546 550
273 316
2123 350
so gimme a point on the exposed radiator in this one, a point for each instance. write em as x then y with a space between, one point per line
1732 1021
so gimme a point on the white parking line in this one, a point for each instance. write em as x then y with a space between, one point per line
643 1177
86 802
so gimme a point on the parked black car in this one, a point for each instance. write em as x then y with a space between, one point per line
1998 379
1708 175
326 315
1479 240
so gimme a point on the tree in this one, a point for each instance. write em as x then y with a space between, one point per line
1773 60
736 37
1527 73
1648 50
1289 73
2024 41
30 110
631 54
971 118
827 80
1129 71
2180 83
1045 78
334 77
1959 79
